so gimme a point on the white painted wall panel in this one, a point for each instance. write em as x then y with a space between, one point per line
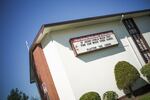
57 70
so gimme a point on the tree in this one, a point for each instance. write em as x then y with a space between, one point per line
145 70
90 96
125 75
15 94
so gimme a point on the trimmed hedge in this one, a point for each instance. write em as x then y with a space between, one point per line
90 96
125 74
110 95
145 70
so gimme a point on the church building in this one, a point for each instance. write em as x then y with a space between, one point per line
70 58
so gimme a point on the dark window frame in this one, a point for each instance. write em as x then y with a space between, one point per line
138 39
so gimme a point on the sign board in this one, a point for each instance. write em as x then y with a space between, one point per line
92 42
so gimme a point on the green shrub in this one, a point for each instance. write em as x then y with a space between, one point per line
110 95
90 96
145 70
145 97
125 74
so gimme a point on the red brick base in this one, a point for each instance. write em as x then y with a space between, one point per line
44 77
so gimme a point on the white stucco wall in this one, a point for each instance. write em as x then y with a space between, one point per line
57 70
73 76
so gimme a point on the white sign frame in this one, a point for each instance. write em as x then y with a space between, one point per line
93 42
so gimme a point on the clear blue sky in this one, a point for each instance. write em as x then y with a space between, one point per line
20 20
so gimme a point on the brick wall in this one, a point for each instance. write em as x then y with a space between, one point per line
43 74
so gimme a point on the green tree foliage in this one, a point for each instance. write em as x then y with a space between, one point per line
90 96
145 70
125 75
110 95
15 94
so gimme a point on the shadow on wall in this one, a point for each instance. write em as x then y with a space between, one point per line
91 56
62 37
140 87
102 53
143 23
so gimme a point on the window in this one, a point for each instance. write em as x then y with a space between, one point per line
138 38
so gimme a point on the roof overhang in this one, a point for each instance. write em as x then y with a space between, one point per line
47 28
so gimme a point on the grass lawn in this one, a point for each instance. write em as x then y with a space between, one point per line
144 97
141 97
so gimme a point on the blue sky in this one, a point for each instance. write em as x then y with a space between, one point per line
20 20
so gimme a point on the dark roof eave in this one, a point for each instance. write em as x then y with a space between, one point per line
32 47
